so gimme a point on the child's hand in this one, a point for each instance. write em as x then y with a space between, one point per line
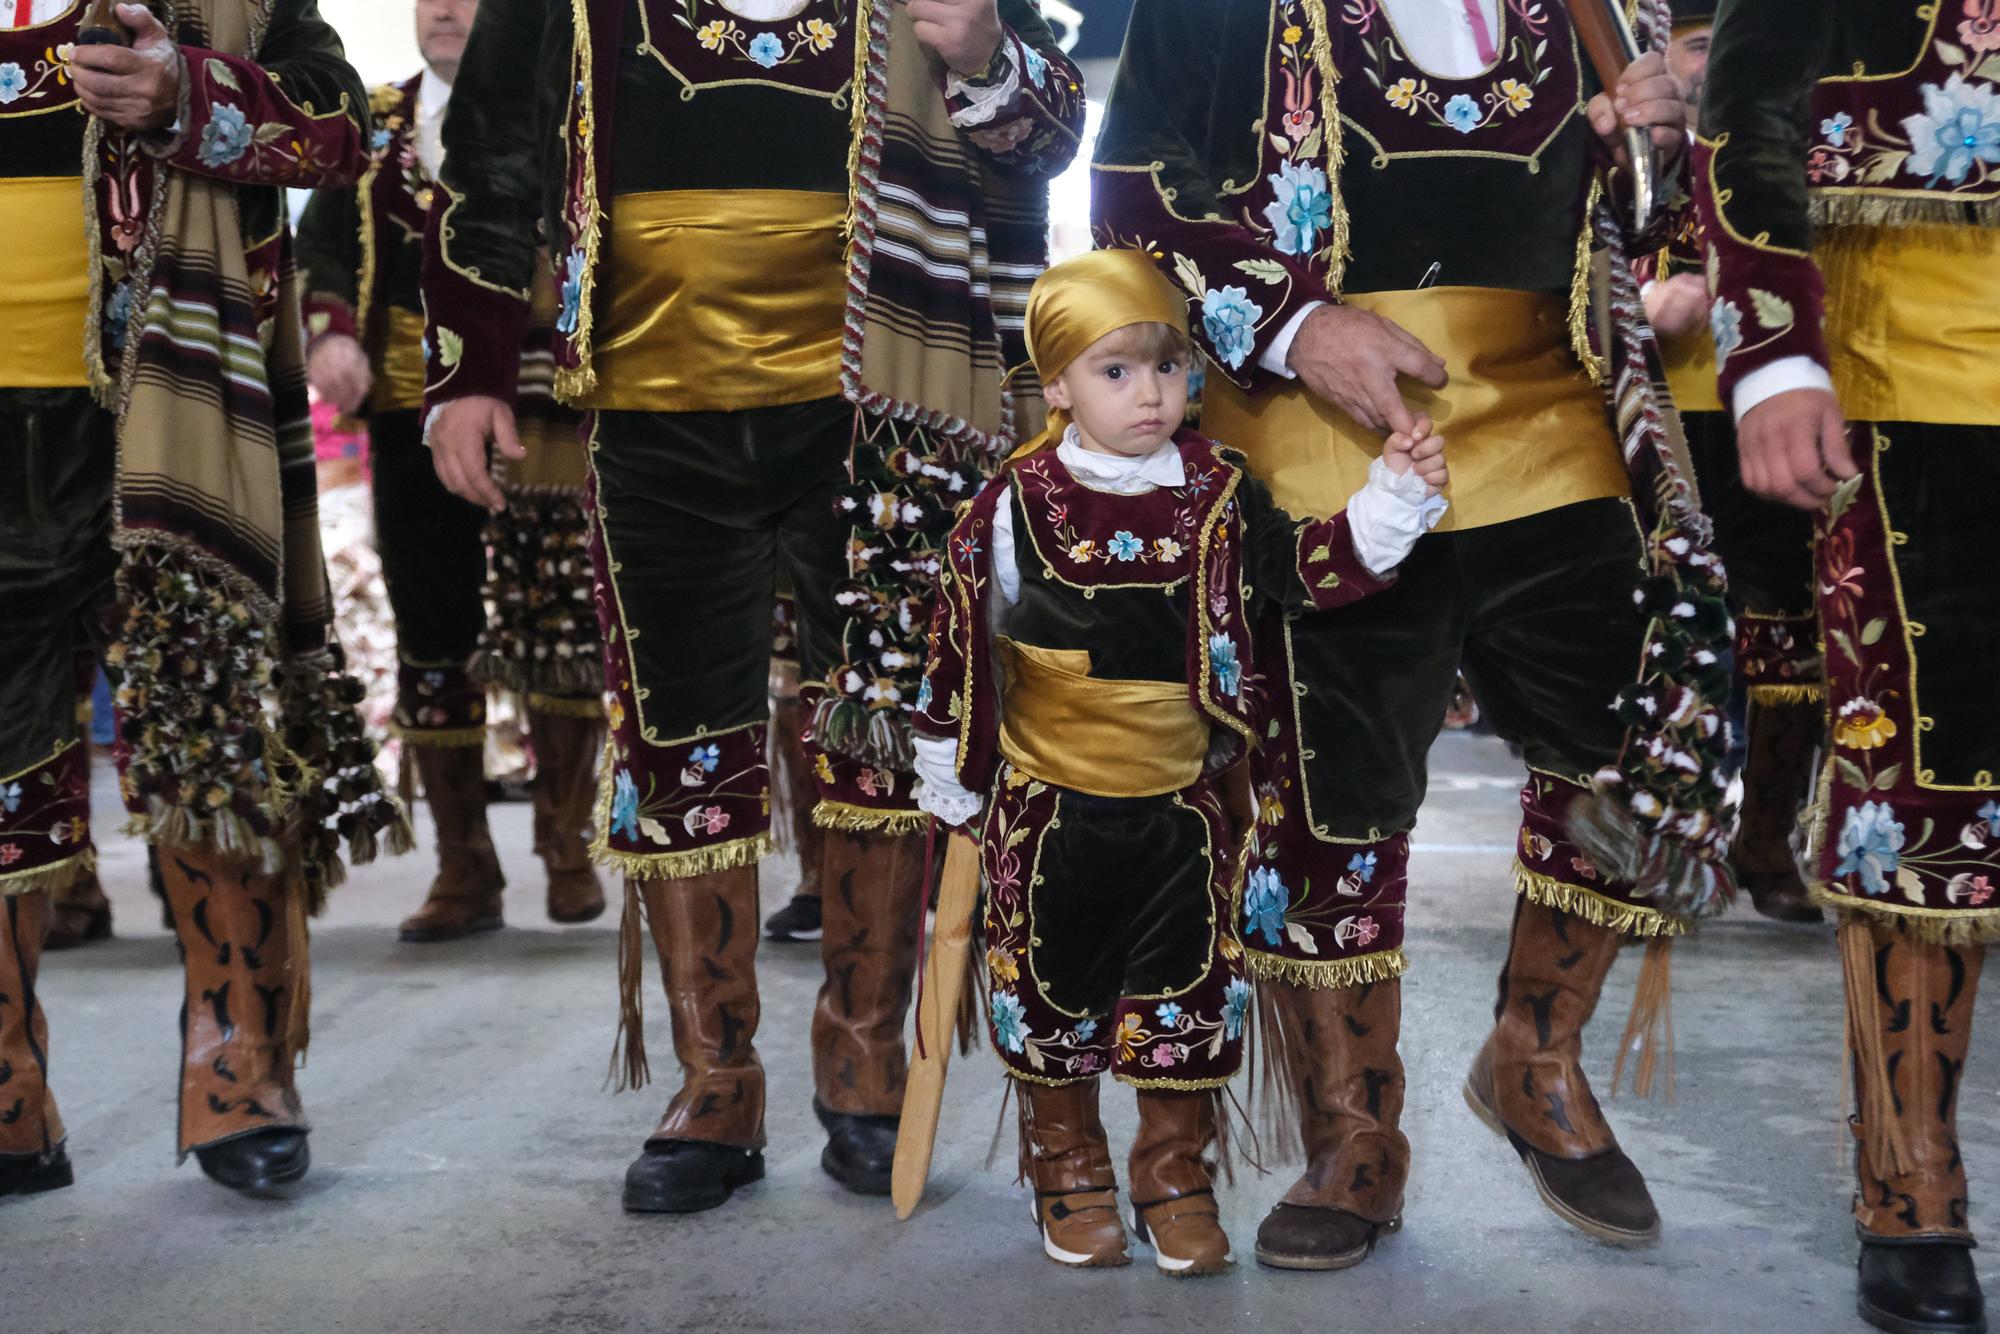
1421 451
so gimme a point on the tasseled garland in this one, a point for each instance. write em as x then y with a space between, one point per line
1650 1027
543 635
628 1068
1881 1131
341 800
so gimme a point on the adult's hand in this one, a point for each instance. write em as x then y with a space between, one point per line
459 436
965 33
134 88
339 372
1351 359
1649 97
1677 305
1793 447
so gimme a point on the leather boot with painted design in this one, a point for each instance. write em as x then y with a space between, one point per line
1065 1157
1528 1083
711 1139
1173 1183
565 795
465 896
1910 1198
871 909
32 1154
240 1112
1785 738
1347 1081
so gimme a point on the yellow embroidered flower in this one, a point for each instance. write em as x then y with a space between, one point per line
1517 95
819 34
1292 35
1862 725
615 715
1001 964
1129 1035
1084 550
1402 94
712 35
823 768
1229 945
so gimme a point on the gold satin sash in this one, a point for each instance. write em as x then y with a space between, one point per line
399 372
721 299
1689 361
1525 429
1105 738
44 283
1913 322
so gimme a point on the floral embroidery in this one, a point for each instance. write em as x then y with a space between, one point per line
1165 549
1301 210
765 48
1223 662
1229 318
572 293
1363 865
1264 902
226 137
1835 128
1990 813
1235 1006
1869 843
10 798
1168 1014
1001 967
706 757
625 805
1980 28
13 82
1008 1015
1862 724
1462 114
1958 128
711 35
50 74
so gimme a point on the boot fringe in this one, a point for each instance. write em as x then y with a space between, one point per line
1809 692
974 1001
1650 1027
1627 919
1277 1047
298 1028
1879 1128
564 706
680 865
1326 974
628 1068
53 878
846 817
1932 926
438 736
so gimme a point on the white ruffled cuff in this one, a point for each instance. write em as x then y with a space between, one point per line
938 792
1388 515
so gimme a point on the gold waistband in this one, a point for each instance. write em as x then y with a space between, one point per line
1106 738
44 283
1689 360
1913 322
399 366
1525 428
721 299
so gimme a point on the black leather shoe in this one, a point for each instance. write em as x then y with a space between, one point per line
1296 1236
860 1150
798 920
33 1173
685 1176
257 1161
1920 1288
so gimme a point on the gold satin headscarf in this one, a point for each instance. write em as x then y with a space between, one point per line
1081 300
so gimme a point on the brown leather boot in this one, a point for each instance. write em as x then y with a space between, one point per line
872 909
1340 1047
1173 1185
788 724
1909 1009
465 896
1528 1084
240 1113
33 1157
711 1139
1068 1162
565 793
79 914
1784 739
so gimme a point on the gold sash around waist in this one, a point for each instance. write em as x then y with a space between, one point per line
1913 322
1689 360
1106 738
399 370
721 299
1524 427
44 283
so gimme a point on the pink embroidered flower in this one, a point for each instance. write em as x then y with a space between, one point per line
866 782
1165 1055
1581 865
1968 888
1979 890
10 853
1298 124
1365 930
715 819
1980 29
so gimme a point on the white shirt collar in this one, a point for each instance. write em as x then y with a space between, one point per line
432 93
1121 472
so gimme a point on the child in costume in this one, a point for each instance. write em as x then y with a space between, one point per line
1090 675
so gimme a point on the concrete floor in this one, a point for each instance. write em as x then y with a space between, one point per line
467 1163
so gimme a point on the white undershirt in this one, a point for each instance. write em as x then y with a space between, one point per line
40 11
432 95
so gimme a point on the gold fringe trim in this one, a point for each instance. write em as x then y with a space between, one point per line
1326 974
852 819
1625 918
1880 1130
680 865
1339 247
1788 693
567 706
1650 1026
53 878
857 115
1933 926
439 736
1840 209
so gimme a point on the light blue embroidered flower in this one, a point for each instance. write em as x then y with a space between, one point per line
1086 1029
1301 209
708 757
1869 844
1725 325
924 695
1265 899
1835 128
1235 1005
1959 125
10 798
1222 661
1364 862
225 138
767 50
1462 114
118 312
1038 67
1990 813
1124 546
1229 318
1169 1015
572 294
625 805
378 141
13 82
1007 1014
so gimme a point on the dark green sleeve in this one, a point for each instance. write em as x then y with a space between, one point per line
329 251
1764 60
491 169
1300 564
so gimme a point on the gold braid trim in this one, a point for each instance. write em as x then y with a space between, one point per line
849 818
1579 290
1177 1085
1932 926
574 382
1338 247
1326 974
568 706
1599 910
440 736
857 111
1810 692
53 879
1044 1080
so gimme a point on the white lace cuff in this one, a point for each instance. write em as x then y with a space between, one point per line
938 792
1387 516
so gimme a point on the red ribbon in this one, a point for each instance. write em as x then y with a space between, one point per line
923 936
1482 35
